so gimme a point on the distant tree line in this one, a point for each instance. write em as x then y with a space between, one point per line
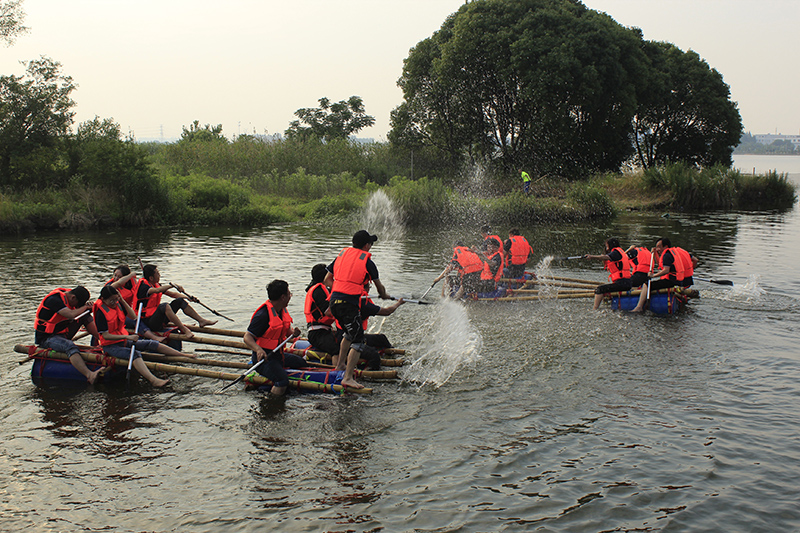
562 90
749 145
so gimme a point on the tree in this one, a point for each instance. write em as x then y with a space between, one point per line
11 18
684 112
330 121
35 110
207 133
548 84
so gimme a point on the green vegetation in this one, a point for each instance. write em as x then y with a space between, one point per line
749 145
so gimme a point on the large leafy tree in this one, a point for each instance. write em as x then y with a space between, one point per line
35 111
330 121
548 84
11 18
685 112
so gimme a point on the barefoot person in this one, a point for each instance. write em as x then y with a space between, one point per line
110 312
59 316
619 267
350 271
157 314
124 280
270 325
670 269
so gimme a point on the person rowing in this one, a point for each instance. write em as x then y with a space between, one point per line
269 326
517 253
619 267
157 315
319 320
110 312
124 281
671 271
350 271
469 267
58 318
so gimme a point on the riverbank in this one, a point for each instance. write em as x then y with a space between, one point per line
197 199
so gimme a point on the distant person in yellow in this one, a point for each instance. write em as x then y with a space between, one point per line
526 182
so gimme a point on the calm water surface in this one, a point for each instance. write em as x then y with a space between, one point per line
526 416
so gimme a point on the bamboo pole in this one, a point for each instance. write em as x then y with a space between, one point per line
172 369
586 281
366 374
216 331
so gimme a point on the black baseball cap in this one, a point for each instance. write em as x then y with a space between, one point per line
363 237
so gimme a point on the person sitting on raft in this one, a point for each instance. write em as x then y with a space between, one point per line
157 314
641 264
124 280
469 267
110 312
373 342
58 318
517 252
492 266
269 326
319 320
670 269
619 268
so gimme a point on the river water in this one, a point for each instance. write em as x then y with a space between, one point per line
518 416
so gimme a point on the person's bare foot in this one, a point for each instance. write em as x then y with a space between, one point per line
92 377
158 338
637 310
160 382
353 384
186 331
205 323
190 355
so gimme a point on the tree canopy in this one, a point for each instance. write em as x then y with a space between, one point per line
330 120
546 84
11 18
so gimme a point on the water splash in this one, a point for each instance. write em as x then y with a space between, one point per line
750 291
449 343
382 217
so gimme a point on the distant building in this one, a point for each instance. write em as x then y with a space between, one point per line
769 138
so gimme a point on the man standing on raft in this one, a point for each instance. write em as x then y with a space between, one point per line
350 271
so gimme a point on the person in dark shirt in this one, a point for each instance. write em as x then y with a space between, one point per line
619 267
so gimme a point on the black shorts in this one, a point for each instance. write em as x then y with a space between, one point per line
621 285
273 367
349 317
323 340
661 284
471 282
158 320
516 271
639 279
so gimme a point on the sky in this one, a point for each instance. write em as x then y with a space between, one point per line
156 66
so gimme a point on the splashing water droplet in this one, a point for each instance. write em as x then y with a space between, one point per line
382 217
449 344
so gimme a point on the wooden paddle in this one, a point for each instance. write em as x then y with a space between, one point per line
255 366
133 344
434 283
717 281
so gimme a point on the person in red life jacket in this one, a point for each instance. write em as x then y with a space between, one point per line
492 266
689 264
349 272
469 266
58 318
269 326
517 253
319 319
110 313
157 314
124 281
641 263
373 342
670 271
486 233
619 268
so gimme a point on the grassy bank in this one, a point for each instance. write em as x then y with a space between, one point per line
190 197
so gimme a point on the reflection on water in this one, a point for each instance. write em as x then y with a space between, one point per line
513 416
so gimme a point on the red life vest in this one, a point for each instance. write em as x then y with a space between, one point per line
127 291
487 271
619 269
686 258
520 249
677 264
51 322
350 271
152 301
642 261
467 260
115 317
280 327
312 308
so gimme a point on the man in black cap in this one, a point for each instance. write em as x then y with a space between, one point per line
58 318
350 271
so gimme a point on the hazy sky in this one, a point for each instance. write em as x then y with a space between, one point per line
156 66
